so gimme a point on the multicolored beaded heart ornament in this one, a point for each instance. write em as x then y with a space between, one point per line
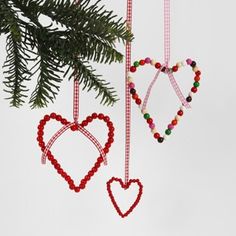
147 116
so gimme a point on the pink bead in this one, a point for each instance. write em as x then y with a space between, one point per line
189 61
152 126
170 126
148 60
131 85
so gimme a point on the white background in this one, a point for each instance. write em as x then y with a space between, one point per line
189 181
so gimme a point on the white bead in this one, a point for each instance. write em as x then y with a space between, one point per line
190 94
183 63
153 62
154 130
195 69
183 108
177 118
166 137
179 64
130 79
144 111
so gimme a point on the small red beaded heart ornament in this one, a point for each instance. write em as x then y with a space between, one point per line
147 116
127 181
124 186
75 126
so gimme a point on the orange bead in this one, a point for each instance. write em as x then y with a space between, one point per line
174 122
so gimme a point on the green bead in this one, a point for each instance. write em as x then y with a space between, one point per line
196 84
136 63
146 116
168 132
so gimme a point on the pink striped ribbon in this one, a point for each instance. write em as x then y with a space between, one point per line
166 63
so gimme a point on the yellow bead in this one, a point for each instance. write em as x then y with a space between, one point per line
154 130
144 111
183 63
153 62
177 118
130 79
179 64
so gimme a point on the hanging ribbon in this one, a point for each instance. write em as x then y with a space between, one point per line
166 62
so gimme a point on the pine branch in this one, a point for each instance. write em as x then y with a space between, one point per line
89 33
16 63
86 76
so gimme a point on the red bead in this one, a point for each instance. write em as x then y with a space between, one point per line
110 124
90 173
74 127
138 101
100 159
106 119
77 189
53 115
89 119
133 69
106 150
42 122
158 65
40 133
72 187
197 78
135 96
84 123
194 89
198 73
94 169
82 186
59 171
142 62
46 117
175 68
67 178
50 157
149 120
111 140
40 127
111 129
108 145
98 164
64 121
174 122
94 115
58 118
157 135
87 177
63 174
100 116
41 144
180 112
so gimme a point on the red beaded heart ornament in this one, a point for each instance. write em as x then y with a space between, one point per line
125 187
75 127
166 70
